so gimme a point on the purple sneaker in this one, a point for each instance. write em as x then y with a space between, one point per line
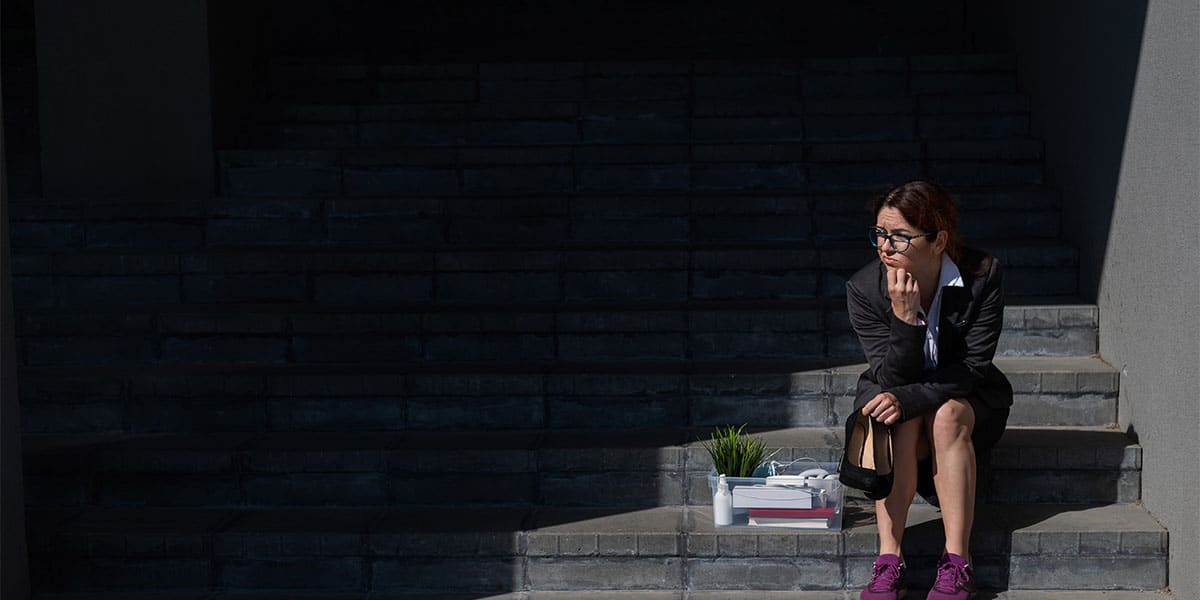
955 579
887 579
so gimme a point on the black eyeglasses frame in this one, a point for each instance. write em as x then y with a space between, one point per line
875 233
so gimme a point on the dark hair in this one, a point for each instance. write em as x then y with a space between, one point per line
928 207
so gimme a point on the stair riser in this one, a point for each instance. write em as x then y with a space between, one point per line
484 574
428 223
411 347
590 451
467 88
639 128
557 477
1065 487
173 414
517 287
789 82
108 218
418 232
643 109
124 574
424 181
642 127
388 233
603 490
189 337
293 68
982 105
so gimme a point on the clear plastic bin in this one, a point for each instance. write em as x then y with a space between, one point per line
832 495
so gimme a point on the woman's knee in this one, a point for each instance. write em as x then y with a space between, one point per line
952 423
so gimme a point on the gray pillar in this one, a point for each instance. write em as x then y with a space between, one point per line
123 95
14 560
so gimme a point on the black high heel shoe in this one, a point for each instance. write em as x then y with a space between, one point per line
867 457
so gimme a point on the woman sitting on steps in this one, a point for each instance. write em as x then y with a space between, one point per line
928 314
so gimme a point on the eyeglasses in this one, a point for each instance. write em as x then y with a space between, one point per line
899 241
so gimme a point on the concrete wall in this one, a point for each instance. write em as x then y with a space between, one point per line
1116 96
123 97
14 560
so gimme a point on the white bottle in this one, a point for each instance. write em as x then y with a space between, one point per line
722 504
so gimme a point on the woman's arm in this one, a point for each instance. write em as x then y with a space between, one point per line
895 350
958 379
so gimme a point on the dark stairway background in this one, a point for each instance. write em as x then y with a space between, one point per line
455 322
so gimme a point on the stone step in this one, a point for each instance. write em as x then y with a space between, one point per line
366 223
629 123
933 118
602 595
378 396
324 69
497 82
1110 547
495 274
602 169
455 114
229 222
292 110
530 468
423 333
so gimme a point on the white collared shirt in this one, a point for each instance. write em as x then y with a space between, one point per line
950 277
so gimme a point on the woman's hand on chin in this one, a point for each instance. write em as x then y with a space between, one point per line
904 293
883 408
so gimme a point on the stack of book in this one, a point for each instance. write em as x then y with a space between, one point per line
806 518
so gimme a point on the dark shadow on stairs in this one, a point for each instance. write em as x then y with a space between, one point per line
351 483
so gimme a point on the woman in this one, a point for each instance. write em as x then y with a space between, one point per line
928 314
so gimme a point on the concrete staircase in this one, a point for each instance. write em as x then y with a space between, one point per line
456 329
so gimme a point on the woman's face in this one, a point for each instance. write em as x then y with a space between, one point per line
922 255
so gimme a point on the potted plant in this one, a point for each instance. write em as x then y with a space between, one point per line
733 453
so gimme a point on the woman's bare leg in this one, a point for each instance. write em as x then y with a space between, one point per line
909 444
950 430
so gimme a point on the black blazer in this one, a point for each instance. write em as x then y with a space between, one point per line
971 318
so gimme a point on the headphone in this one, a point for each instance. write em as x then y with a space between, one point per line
817 473
802 479
776 468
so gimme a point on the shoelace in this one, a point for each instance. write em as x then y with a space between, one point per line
950 577
884 577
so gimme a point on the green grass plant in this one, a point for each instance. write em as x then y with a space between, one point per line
733 453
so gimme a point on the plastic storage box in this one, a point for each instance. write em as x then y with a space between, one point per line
774 506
